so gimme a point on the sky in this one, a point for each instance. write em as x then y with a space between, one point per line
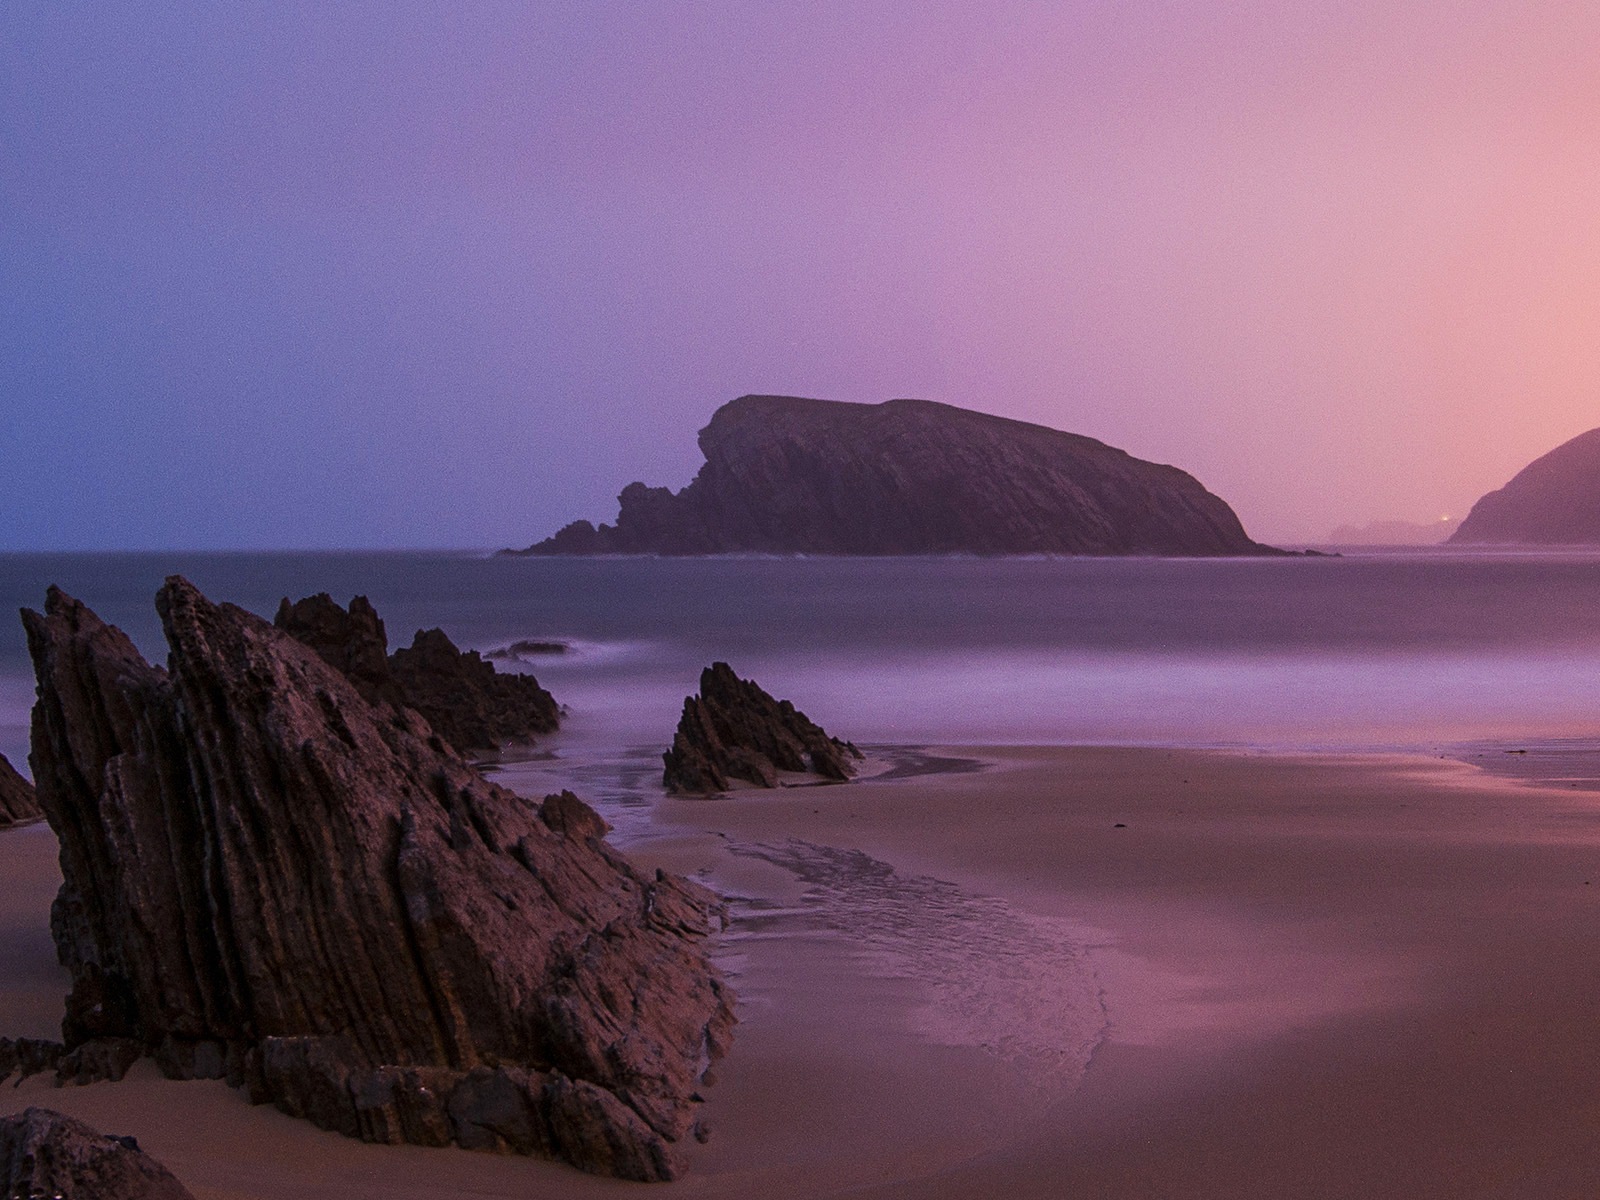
411 274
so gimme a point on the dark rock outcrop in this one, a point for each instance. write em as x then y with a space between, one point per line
26 1057
1553 501
466 701
18 803
734 730
46 1155
269 879
353 641
89 1062
785 475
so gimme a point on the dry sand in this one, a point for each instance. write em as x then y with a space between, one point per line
1079 972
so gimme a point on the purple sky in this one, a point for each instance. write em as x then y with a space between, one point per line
409 274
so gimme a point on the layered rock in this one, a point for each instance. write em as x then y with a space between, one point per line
352 640
1553 501
18 803
786 475
268 878
735 730
46 1154
465 700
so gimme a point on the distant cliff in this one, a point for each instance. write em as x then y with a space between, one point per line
785 475
1553 501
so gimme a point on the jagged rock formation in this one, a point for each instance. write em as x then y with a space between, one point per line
785 475
353 641
18 803
46 1155
26 1057
269 879
734 730
1553 501
466 701
89 1062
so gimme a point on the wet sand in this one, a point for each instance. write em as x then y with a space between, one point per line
1111 973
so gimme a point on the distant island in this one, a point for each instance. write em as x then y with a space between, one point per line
1394 533
1553 501
788 475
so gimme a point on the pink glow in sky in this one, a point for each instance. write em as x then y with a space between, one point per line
399 274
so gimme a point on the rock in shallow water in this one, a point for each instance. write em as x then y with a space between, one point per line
271 879
45 1154
466 701
735 730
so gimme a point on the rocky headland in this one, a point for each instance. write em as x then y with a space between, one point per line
18 802
735 730
1553 501
787 475
46 1155
466 701
270 879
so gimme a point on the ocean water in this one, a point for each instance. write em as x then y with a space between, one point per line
1428 650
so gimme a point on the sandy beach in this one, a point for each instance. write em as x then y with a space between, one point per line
1094 972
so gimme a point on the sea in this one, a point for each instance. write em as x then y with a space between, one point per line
1471 654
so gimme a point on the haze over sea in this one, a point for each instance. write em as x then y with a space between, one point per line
1428 650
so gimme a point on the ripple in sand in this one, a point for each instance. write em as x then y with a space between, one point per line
1017 985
